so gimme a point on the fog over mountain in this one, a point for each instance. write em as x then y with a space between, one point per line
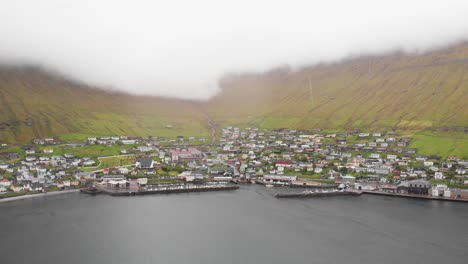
181 48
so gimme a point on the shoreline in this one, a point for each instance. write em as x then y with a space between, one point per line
418 197
30 196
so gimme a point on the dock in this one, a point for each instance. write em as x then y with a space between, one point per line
164 189
300 185
317 186
317 194
415 196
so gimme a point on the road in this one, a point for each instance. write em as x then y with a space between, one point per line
212 126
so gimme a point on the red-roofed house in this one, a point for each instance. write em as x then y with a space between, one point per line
5 183
284 163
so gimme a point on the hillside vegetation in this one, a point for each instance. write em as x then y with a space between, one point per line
35 103
396 91
425 95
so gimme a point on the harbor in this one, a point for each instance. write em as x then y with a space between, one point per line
133 188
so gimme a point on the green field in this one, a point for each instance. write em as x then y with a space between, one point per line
441 143
112 162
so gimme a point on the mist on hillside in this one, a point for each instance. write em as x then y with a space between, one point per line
182 48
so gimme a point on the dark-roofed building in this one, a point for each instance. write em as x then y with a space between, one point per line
145 163
419 187
9 155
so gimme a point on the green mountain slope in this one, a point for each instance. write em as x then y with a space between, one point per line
35 103
427 91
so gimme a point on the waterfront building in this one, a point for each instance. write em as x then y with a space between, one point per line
279 179
348 179
421 187
108 178
441 190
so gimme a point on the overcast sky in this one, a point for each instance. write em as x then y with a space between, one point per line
180 48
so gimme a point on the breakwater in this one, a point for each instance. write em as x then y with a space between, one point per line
166 189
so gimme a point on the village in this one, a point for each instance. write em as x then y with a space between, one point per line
375 162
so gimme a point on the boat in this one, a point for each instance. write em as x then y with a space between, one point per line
269 185
90 190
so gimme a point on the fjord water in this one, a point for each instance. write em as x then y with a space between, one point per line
248 225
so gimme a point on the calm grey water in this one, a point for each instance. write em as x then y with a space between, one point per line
244 226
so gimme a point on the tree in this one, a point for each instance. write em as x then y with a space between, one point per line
343 170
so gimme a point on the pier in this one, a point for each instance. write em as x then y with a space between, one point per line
163 189
308 194
317 186
299 184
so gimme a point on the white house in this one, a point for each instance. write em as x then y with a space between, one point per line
5 183
439 175
123 171
30 158
89 163
85 175
348 179
428 163
48 150
128 141
276 178
441 190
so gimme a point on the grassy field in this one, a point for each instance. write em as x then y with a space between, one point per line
112 162
87 151
441 143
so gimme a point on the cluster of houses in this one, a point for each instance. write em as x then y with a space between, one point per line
342 157
37 168
37 173
277 156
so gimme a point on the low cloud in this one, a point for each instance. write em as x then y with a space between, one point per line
181 48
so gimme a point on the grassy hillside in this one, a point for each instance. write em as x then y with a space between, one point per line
35 103
397 91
